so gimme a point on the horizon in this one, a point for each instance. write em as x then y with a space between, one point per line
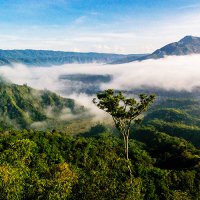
130 27
90 51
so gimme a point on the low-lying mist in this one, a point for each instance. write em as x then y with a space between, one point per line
175 72
170 73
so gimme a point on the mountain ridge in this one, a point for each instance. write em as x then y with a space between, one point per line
49 57
188 45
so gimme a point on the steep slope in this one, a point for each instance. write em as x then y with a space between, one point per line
186 46
24 107
48 58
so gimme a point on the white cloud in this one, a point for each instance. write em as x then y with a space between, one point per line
177 73
174 72
125 35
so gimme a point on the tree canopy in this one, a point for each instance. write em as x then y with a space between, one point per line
123 110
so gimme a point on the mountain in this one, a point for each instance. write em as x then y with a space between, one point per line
24 107
48 58
186 46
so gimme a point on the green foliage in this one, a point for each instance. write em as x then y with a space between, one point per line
173 115
24 107
123 110
170 152
49 165
95 131
189 133
176 117
11 182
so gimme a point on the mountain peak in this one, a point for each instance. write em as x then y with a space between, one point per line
186 46
189 39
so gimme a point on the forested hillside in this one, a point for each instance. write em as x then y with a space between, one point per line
49 58
100 100
164 154
176 117
24 107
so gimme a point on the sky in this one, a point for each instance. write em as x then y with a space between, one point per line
110 26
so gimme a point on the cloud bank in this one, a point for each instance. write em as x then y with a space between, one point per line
174 72
170 73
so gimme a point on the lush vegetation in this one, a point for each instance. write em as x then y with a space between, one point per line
164 154
24 107
176 117
50 165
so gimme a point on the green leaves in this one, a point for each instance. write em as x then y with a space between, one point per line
123 110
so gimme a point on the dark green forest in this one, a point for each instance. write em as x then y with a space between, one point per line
50 165
54 162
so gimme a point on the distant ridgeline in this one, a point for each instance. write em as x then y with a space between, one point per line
186 46
24 107
48 58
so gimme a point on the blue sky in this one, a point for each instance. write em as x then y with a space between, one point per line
119 26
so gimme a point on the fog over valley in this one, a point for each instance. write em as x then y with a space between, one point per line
82 81
173 72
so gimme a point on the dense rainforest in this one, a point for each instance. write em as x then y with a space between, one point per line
50 165
57 163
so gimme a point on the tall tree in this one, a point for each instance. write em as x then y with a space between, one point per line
124 111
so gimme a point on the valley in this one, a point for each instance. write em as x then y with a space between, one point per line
56 144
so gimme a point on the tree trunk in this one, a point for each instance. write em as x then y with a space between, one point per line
126 154
126 147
